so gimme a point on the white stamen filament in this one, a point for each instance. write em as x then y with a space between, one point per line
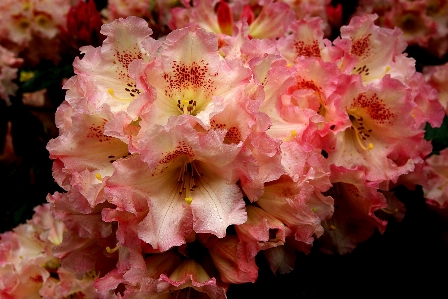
361 144
112 93
186 180
360 132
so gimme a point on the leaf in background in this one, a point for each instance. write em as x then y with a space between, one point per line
46 78
438 136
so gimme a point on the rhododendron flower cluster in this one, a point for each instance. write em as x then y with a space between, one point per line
30 27
28 268
424 23
182 158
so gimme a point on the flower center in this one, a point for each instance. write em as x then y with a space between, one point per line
187 179
43 20
361 132
131 89
186 106
22 23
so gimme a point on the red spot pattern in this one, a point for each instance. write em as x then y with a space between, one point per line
308 84
184 77
361 47
308 50
96 132
375 107
215 126
124 58
233 134
180 150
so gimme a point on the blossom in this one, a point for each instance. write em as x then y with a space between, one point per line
375 129
436 190
188 184
28 23
356 201
423 22
103 75
237 134
436 76
9 65
27 266
191 77
263 25
123 8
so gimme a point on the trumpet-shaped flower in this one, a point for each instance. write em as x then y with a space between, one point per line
190 77
188 181
103 75
378 124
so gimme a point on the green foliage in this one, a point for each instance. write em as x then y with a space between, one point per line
438 136
45 78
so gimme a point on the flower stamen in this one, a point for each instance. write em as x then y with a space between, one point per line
186 106
291 136
132 91
329 226
186 180
109 250
361 132
389 212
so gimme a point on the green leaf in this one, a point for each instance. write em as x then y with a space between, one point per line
46 78
438 136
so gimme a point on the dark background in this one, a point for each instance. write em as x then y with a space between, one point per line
409 259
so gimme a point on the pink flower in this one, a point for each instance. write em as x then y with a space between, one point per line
307 39
190 77
103 80
436 193
231 260
191 154
187 182
437 77
378 128
28 268
27 23
354 221
376 49
9 65
271 22
423 22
